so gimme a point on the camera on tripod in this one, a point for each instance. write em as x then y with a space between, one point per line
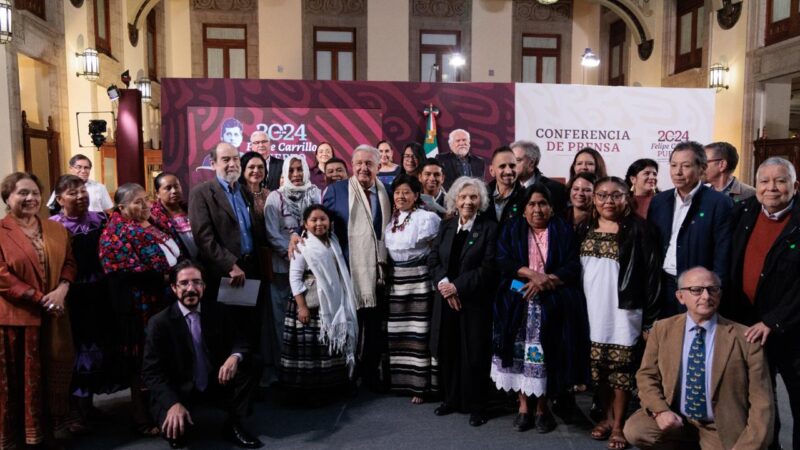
97 130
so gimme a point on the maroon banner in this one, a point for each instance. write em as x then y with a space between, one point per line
290 131
486 110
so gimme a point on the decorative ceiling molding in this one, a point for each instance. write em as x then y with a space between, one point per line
440 8
635 23
534 11
643 6
225 5
77 3
729 14
335 7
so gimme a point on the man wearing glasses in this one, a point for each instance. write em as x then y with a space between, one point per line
692 223
764 291
195 354
260 143
701 382
99 200
722 161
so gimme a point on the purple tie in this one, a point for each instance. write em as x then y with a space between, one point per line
200 366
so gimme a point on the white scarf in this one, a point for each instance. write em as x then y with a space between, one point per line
337 304
298 198
366 250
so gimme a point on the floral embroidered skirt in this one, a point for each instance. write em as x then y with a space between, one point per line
528 372
20 386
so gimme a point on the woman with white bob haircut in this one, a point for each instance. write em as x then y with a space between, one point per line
461 263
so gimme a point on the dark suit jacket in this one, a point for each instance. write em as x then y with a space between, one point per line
704 237
558 192
515 206
215 228
475 283
452 168
742 391
168 363
274 172
777 301
337 200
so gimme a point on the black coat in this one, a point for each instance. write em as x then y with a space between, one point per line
777 301
515 206
274 172
476 282
558 192
639 267
168 364
452 168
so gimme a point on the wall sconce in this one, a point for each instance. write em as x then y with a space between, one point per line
91 64
5 21
717 75
589 58
145 87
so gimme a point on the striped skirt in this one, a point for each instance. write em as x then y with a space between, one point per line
412 370
21 387
306 363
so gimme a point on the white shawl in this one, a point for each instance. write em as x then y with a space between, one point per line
337 305
366 250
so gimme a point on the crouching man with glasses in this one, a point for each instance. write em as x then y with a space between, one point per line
193 356
702 384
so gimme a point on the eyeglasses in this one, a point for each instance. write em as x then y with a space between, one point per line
187 283
81 168
603 196
260 142
698 290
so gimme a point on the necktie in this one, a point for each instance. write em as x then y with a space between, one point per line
696 376
369 197
200 365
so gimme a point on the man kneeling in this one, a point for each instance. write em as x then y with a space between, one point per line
701 384
184 351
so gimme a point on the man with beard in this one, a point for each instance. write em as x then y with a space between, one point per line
222 226
505 192
260 143
460 161
193 355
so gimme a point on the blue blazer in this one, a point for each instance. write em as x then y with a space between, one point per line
337 199
704 238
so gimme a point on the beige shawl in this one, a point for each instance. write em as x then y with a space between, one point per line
366 250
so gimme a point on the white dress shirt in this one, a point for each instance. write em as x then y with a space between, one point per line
678 216
99 200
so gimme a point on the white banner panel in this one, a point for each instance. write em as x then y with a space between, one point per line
622 123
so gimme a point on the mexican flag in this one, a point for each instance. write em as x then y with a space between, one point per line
431 146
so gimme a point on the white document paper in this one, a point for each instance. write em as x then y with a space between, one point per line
246 295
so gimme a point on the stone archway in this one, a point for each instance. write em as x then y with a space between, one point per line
137 13
634 13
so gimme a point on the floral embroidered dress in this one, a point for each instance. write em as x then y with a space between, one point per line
135 260
177 226
528 373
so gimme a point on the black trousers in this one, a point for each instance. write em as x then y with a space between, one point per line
670 305
784 359
464 377
235 397
371 342
247 318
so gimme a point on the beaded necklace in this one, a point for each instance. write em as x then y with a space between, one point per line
396 216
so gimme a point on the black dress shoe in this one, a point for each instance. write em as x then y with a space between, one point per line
177 443
237 434
545 423
522 422
444 409
476 419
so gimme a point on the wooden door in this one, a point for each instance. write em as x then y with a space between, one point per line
42 155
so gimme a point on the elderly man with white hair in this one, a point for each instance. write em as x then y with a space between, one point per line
460 161
361 209
765 264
